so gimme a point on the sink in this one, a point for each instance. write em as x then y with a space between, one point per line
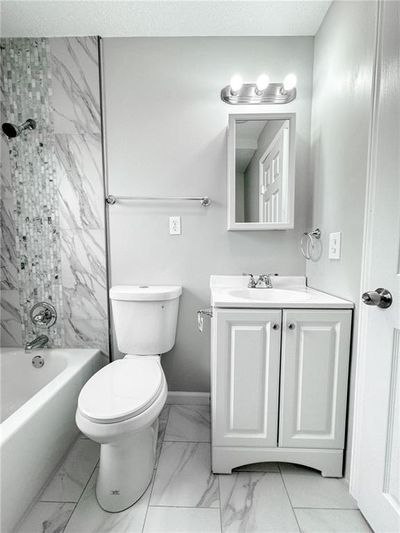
270 295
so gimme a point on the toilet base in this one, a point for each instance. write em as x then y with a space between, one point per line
126 469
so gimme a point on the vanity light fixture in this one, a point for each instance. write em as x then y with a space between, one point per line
262 92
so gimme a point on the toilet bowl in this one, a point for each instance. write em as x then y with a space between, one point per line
119 406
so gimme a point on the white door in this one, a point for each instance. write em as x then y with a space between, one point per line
375 479
314 377
274 172
245 377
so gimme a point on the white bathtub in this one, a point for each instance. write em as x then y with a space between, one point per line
38 420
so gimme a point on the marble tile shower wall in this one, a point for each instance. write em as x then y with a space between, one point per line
65 80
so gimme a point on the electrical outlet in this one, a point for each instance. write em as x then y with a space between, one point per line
175 225
335 242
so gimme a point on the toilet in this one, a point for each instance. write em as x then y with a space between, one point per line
119 406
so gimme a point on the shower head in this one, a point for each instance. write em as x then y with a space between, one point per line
11 130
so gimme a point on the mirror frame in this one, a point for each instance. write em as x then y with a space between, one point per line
259 226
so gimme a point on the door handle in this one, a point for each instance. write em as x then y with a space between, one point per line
380 298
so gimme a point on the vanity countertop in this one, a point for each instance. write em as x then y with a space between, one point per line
289 292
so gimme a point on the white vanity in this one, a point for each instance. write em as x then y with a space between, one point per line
279 374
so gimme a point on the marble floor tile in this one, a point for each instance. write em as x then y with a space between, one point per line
291 468
188 423
254 503
184 476
182 520
46 517
318 492
70 480
258 467
89 517
162 424
331 521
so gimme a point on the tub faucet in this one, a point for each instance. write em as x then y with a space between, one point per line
37 342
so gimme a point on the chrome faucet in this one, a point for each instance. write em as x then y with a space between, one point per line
37 342
263 281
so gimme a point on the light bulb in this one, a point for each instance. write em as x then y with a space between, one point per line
289 82
262 83
236 83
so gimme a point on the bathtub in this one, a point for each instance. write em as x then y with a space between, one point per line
37 420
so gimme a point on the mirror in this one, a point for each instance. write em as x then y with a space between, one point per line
261 171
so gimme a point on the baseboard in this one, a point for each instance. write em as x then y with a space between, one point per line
188 398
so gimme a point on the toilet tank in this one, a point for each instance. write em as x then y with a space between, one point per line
145 318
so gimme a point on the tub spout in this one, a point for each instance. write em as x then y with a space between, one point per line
38 342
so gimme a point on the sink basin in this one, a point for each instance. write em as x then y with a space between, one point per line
270 295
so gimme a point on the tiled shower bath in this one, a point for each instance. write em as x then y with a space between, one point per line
52 192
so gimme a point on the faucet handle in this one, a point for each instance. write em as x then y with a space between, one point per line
252 282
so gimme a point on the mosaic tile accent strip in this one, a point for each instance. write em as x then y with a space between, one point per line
27 90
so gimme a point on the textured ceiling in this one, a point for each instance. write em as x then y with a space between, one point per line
149 18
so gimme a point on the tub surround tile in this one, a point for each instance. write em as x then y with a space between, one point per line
46 518
11 329
88 516
188 423
9 257
184 476
182 520
7 190
86 334
76 94
259 467
84 275
80 181
255 502
69 482
54 176
331 521
27 89
318 492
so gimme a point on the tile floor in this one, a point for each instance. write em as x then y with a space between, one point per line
185 497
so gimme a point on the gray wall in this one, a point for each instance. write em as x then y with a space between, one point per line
166 135
344 52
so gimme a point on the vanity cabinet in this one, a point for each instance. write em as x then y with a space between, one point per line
279 387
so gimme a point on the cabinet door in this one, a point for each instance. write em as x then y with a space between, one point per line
314 376
245 377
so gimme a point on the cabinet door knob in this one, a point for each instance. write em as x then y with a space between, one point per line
275 326
292 325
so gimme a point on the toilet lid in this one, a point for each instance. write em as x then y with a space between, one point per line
121 390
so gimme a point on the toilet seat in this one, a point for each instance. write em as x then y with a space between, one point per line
121 390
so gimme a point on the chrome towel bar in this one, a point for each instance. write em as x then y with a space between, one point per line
204 200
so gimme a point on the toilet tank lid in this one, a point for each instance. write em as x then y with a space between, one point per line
152 293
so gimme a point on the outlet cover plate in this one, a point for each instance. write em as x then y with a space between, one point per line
335 244
175 226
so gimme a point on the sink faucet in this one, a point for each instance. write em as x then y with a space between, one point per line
263 281
37 342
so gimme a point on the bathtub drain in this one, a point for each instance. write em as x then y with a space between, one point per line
38 361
